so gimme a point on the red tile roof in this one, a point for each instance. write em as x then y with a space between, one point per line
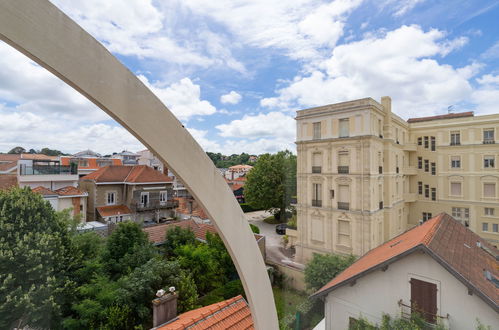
233 313
439 117
70 191
111 210
5 166
130 174
9 157
235 187
241 178
8 181
449 242
157 233
44 191
240 167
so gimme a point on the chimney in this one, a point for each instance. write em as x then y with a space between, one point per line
164 308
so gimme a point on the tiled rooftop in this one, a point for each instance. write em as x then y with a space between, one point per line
233 313
112 210
157 233
439 117
131 174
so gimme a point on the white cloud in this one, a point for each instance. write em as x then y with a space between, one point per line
272 124
492 52
182 98
231 98
399 63
301 27
401 7
488 79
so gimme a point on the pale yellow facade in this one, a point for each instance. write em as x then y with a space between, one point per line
366 175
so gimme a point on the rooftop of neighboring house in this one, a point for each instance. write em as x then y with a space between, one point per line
157 233
127 153
16 157
440 117
232 313
462 252
240 167
8 181
87 153
92 162
68 191
127 174
112 210
7 166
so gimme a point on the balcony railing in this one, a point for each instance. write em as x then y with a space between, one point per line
431 319
316 169
49 170
456 143
317 202
489 141
154 205
343 169
380 169
343 206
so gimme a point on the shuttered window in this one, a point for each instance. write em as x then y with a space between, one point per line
489 190
344 127
316 162
455 188
424 299
317 131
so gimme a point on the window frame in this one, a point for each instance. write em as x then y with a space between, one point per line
489 211
163 197
317 130
489 163
347 121
455 138
114 199
460 188
458 162
142 195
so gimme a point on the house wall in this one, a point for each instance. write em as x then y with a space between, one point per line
90 201
379 292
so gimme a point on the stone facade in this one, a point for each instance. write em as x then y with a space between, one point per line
366 175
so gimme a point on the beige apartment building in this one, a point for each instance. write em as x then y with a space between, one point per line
366 175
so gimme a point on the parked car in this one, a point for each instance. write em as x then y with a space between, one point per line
281 228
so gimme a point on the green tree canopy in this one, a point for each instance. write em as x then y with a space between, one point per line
17 150
35 261
324 267
176 237
272 182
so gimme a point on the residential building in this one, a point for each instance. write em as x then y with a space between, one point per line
157 233
365 175
146 157
35 170
66 198
117 193
232 313
127 158
88 161
440 269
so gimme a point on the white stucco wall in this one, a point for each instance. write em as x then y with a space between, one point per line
379 292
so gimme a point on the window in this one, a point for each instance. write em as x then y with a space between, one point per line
144 198
488 161
420 163
111 198
426 190
344 127
343 162
433 194
426 216
163 197
316 162
455 188
420 141
489 190
433 143
420 187
455 138
461 214
344 232
397 135
317 131
455 161
83 163
380 128
104 162
426 142
485 226
433 169
488 135
426 165
316 194
344 197
495 227
489 211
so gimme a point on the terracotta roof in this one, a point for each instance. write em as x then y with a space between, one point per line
39 157
8 181
130 174
44 191
439 117
111 210
446 240
9 157
235 187
241 167
241 178
69 191
233 313
7 165
157 233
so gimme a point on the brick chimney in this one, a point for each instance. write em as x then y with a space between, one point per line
164 309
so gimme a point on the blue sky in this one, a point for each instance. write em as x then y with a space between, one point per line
235 72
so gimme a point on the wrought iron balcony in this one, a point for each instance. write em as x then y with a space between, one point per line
343 206
154 205
317 202
489 141
343 169
316 169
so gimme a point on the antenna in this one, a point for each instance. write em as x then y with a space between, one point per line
450 108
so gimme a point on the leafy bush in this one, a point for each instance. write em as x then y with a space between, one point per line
292 222
248 208
324 267
229 290
254 228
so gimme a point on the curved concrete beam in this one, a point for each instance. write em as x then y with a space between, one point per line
42 32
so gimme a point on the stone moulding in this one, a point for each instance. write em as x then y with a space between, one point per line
47 36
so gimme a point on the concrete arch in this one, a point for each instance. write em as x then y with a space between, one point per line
42 32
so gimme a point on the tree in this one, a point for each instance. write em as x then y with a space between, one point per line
324 267
176 237
272 182
51 152
17 150
35 261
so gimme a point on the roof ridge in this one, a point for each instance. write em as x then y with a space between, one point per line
129 172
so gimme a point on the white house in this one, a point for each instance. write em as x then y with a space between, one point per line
440 269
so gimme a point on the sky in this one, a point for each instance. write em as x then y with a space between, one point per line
235 72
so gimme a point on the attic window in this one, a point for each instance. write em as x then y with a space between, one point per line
397 243
491 277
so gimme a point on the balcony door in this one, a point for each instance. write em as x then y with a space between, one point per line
424 299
